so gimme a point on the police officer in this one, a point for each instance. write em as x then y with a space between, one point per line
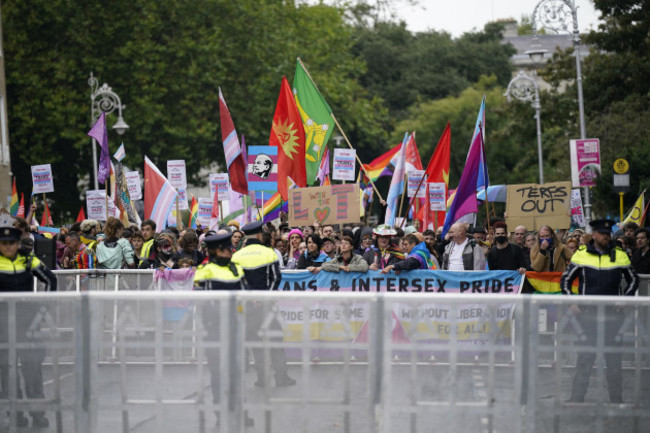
262 269
599 267
219 273
17 270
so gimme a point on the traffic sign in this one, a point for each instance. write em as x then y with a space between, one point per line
621 166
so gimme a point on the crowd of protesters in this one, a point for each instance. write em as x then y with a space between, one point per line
335 248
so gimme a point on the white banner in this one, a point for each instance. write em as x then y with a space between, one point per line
414 178
42 179
205 211
96 205
134 184
176 174
220 181
577 213
437 196
344 164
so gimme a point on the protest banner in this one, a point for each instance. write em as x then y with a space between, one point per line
177 177
205 212
96 205
577 213
437 196
220 182
134 184
42 180
414 178
263 168
585 162
332 204
534 205
344 164
426 321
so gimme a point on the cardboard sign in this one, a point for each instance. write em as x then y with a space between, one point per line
585 162
332 204
414 180
42 179
534 205
437 196
344 164
134 184
577 214
220 182
263 168
176 174
205 212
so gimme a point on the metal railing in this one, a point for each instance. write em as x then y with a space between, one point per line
149 362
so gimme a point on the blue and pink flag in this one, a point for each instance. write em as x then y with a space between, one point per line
99 133
465 199
159 194
120 154
396 184
483 179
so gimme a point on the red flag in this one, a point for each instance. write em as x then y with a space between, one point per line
21 208
82 215
288 134
237 166
437 171
413 161
46 221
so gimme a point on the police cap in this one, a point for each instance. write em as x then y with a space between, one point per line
221 240
253 228
602 226
7 231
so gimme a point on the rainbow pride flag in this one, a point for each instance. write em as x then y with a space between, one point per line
13 207
380 166
548 283
272 207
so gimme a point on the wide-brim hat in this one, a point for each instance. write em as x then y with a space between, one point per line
385 230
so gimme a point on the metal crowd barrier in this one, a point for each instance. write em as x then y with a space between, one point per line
454 366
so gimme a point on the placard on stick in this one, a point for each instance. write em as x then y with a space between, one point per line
533 205
332 204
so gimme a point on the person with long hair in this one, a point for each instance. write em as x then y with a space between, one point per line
549 254
115 252
386 253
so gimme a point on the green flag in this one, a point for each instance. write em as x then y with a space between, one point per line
316 117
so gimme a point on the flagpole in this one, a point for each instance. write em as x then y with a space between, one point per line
416 194
345 137
179 220
401 202
44 203
106 185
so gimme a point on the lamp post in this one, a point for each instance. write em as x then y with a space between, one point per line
557 16
104 99
525 88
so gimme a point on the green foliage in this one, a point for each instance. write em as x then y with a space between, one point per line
166 61
405 68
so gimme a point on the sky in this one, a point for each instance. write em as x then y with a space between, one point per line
460 16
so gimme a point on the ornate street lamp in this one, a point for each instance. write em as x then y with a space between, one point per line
525 88
104 99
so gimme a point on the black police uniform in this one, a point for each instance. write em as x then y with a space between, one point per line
600 273
16 275
262 269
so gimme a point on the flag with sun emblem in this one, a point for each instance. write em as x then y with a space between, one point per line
288 134
317 120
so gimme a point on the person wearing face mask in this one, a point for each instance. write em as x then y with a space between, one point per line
164 255
503 255
549 254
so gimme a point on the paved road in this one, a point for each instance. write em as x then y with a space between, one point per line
318 402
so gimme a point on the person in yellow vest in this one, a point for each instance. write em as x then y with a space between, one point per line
148 230
219 273
600 267
262 270
17 270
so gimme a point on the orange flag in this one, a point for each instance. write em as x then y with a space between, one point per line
81 215
437 171
288 134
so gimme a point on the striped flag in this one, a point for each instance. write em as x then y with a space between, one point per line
120 154
159 195
21 207
13 207
194 212
324 168
233 150
396 184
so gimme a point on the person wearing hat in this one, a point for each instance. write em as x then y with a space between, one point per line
219 273
600 268
17 271
89 229
262 271
329 247
385 254
295 239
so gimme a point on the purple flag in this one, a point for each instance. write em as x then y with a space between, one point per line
465 199
99 133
